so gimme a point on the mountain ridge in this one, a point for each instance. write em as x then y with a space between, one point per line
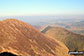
22 39
72 40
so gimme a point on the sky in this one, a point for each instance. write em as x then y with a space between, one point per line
41 7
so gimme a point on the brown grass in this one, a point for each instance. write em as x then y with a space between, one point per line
22 39
75 42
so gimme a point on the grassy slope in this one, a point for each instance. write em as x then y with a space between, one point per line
22 39
72 41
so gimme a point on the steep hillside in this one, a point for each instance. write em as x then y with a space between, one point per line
46 29
22 39
74 42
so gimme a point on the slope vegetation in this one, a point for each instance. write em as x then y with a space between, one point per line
74 42
22 39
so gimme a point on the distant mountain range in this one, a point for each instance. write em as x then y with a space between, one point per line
20 38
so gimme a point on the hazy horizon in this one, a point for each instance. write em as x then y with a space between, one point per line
43 20
41 11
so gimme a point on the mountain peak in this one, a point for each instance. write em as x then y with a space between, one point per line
21 38
10 19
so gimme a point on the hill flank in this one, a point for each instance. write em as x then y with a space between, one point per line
20 38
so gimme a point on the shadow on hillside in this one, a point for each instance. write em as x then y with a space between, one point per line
7 54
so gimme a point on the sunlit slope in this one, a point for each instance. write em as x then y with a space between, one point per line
22 39
74 42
